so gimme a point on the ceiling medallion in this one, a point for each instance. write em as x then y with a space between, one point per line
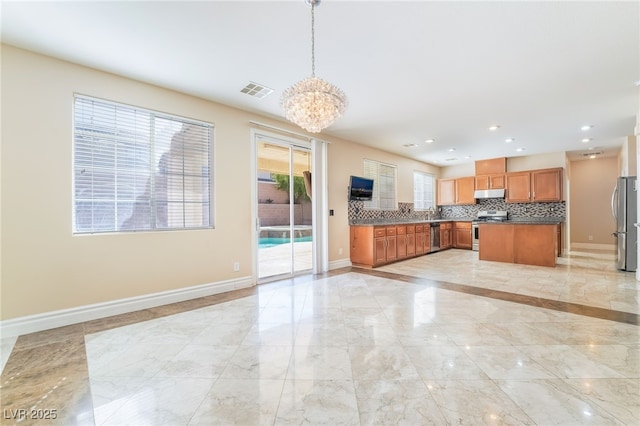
313 103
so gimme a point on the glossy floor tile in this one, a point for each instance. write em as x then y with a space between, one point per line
353 347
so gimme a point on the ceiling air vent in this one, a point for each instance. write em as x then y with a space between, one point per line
450 159
592 153
256 90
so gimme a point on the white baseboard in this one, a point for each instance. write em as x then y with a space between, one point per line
48 320
342 263
593 246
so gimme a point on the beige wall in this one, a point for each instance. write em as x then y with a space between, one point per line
45 268
592 182
347 159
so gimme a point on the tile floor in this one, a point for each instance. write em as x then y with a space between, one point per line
441 339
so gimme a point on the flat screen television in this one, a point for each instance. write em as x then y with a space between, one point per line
360 189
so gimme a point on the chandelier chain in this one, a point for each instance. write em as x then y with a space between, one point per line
313 103
313 41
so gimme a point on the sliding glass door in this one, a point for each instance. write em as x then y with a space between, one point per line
283 171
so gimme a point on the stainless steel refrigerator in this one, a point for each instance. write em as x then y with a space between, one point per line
624 209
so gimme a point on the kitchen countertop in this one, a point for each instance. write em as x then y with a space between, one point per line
519 220
383 222
528 221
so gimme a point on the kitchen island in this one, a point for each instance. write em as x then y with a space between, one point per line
527 243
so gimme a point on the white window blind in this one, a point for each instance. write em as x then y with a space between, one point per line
137 170
384 185
423 193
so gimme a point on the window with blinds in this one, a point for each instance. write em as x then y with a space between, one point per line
139 170
384 185
423 191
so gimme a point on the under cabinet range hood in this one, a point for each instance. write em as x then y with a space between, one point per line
489 193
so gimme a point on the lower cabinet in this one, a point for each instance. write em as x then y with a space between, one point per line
462 238
527 244
446 235
378 245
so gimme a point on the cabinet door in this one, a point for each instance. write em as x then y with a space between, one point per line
482 182
446 195
419 239
427 239
462 235
465 187
411 245
380 250
546 185
392 248
401 247
518 187
497 181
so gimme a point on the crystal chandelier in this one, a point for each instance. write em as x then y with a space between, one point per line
313 103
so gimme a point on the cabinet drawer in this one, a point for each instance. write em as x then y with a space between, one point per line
411 229
379 232
419 228
463 225
391 231
401 230
446 225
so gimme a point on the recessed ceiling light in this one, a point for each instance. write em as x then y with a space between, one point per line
509 140
494 127
451 149
410 145
519 149
430 141
467 157
590 148
586 127
585 140
638 83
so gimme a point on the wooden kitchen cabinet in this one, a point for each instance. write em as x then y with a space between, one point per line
462 235
411 241
446 195
420 239
518 187
392 244
490 181
456 191
527 244
401 242
446 235
491 166
378 245
544 185
465 188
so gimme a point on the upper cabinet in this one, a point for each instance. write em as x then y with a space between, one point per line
546 185
543 185
456 191
496 181
493 166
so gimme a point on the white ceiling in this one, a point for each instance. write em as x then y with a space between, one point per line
412 70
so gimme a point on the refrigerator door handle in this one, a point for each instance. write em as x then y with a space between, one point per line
614 199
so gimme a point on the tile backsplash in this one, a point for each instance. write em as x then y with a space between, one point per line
405 211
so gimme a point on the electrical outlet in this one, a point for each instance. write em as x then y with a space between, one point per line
236 266
340 250
590 237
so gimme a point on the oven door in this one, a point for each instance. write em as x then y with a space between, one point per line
475 234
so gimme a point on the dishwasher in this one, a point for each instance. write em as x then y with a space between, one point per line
434 237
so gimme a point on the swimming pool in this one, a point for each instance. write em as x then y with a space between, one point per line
272 242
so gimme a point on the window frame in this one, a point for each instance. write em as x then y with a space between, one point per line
204 138
392 194
432 177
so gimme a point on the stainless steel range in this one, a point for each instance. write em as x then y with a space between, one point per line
486 216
